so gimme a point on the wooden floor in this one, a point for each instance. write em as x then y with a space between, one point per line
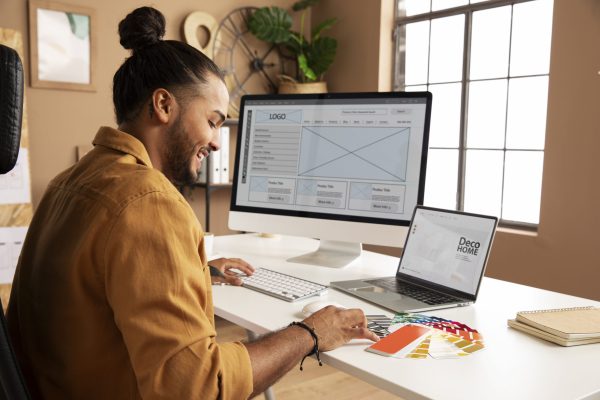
314 382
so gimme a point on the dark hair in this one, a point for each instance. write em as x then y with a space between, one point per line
155 63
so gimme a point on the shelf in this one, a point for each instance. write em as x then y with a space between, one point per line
211 185
208 188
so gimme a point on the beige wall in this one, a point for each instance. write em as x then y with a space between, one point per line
563 255
365 43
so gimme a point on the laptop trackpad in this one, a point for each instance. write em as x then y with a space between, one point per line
370 289
388 298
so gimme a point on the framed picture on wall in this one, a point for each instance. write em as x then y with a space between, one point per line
62 46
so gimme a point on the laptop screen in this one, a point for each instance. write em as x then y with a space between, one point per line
448 248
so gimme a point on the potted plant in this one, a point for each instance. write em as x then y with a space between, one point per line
312 56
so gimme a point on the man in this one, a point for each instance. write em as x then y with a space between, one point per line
112 295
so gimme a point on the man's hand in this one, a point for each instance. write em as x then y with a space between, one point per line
336 326
224 265
275 354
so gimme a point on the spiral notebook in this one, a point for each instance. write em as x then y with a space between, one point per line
565 326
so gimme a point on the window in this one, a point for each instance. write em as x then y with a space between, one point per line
486 63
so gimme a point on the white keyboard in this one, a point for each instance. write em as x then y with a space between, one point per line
282 286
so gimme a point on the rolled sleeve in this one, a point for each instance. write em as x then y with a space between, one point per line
159 290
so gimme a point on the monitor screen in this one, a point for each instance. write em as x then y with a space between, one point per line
353 157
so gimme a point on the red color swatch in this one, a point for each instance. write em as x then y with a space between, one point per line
396 341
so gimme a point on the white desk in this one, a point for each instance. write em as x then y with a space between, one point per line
513 365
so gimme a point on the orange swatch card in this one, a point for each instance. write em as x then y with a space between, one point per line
399 339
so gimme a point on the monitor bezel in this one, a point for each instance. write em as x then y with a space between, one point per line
328 96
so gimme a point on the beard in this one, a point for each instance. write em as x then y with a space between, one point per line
180 151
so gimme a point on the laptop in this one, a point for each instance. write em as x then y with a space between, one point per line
444 258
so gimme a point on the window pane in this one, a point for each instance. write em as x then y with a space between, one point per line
440 183
447 39
531 37
490 39
487 114
527 106
413 7
417 88
417 46
445 115
483 181
522 186
445 4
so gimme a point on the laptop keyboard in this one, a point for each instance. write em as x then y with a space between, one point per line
282 286
416 292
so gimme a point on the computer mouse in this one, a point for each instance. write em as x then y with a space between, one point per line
315 306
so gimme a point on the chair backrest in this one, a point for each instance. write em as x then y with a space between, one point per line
12 383
11 378
11 107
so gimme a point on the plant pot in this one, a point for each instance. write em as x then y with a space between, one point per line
286 87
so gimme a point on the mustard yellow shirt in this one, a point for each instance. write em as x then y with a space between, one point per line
112 296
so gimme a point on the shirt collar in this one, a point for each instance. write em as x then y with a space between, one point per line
123 142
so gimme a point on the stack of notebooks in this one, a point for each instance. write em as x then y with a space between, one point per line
566 326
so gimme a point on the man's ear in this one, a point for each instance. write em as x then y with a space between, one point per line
162 105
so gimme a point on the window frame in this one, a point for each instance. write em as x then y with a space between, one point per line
399 36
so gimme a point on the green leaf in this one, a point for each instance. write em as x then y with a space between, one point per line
316 33
306 70
271 24
303 4
321 54
295 43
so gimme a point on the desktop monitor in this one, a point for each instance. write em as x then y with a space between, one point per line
346 168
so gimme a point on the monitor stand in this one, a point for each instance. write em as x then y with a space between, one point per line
331 253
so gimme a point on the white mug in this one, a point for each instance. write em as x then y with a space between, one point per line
209 240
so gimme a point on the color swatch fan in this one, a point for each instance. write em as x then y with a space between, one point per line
421 336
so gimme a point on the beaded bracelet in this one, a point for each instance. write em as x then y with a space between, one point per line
315 349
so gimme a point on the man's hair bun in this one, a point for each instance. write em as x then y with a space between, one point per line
155 63
142 27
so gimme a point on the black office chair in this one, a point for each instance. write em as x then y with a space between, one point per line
11 113
13 383
11 107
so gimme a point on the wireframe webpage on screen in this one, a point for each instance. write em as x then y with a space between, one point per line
448 249
355 157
